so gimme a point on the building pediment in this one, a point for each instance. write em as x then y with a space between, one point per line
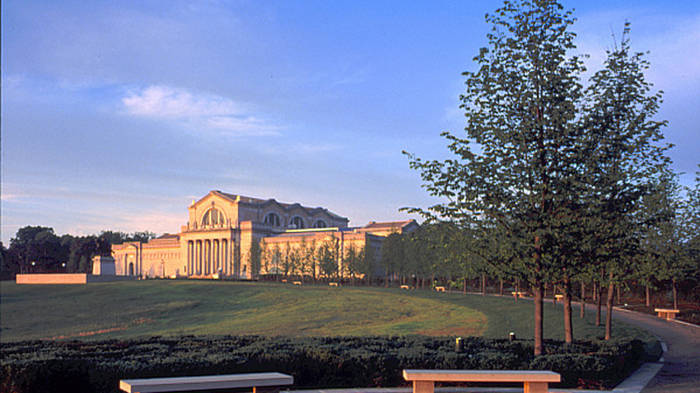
212 198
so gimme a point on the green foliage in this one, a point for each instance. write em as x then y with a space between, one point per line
549 178
327 257
255 257
48 252
72 366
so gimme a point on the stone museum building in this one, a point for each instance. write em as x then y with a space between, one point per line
217 239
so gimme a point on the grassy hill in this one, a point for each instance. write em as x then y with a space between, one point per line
145 308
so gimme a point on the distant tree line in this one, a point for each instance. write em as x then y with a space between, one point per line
38 249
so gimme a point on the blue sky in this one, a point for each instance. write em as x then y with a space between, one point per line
115 115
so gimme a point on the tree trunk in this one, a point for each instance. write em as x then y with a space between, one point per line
500 287
675 294
539 318
609 308
568 326
583 299
464 286
647 294
618 292
483 284
595 291
545 291
599 304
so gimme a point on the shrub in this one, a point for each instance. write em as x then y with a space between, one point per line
75 366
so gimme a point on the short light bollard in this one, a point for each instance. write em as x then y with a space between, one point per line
459 345
511 336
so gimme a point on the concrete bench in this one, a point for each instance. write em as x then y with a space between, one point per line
405 287
519 294
260 382
284 280
533 381
297 283
440 289
666 313
332 284
558 298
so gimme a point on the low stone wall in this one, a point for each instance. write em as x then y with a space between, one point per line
52 278
75 278
109 278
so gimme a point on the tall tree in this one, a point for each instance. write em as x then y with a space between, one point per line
255 256
518 163
624 155
327 256
392 256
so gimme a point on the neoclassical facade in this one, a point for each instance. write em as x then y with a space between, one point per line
217 239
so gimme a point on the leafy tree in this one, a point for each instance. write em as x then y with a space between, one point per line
520 108
392 255
310 257
287 260
37 248
623 157
351 261
255 258
367 261
305 262
327 257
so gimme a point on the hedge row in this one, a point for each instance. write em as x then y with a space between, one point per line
76 366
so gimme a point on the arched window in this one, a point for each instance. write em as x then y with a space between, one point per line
272 219
213 217
320 224
296 223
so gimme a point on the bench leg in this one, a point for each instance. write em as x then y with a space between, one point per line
423 387
266 389
535 387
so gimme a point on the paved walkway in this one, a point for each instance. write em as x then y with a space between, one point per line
681 366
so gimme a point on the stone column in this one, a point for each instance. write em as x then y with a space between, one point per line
208 256
224 254
189 258
198 257
217 255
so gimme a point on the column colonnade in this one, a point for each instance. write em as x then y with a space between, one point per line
209 256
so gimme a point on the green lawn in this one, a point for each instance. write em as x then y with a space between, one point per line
143 308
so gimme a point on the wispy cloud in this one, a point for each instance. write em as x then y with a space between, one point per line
201 111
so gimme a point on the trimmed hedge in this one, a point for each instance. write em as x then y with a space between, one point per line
97 366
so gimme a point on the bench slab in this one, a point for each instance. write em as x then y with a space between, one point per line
666 313
481 375
533 381
208 382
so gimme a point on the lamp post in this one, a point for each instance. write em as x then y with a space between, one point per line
33 266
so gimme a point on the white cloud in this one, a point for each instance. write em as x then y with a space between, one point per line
200 111
168 102
242 125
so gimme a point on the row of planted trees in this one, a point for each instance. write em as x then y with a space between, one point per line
560 179
314 260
